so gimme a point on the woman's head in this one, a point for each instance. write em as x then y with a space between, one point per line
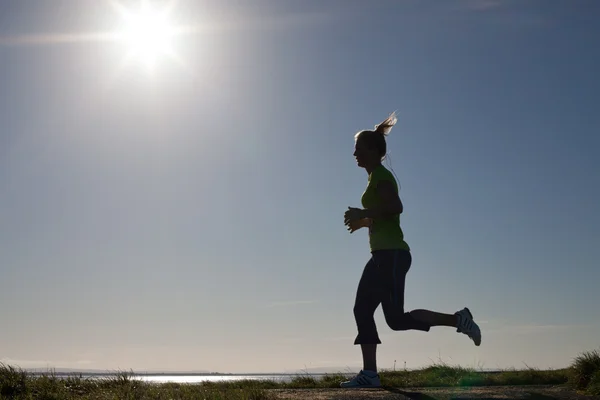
370 147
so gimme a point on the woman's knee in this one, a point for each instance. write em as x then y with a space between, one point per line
362 312
396 323
357 311
405 322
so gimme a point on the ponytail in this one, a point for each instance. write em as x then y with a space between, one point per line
384 128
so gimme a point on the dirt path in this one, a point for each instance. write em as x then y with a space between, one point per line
477 393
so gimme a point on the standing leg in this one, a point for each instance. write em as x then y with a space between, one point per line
367 301
369 354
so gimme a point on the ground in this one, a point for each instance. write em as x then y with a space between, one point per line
479 393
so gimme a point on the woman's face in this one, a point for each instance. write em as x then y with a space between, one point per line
364 154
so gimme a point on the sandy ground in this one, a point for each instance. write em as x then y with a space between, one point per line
479 393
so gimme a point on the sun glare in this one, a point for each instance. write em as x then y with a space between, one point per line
147 33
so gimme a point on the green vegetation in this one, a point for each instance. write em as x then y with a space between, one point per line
586 372
19 385
583 375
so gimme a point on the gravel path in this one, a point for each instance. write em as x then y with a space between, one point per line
479 393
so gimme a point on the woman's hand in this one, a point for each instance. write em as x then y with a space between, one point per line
353 226
354 219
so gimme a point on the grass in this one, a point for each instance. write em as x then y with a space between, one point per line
586 372
583 375
19 385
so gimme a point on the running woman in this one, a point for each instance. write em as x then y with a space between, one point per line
383 278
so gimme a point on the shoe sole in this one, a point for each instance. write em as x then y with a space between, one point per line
361 387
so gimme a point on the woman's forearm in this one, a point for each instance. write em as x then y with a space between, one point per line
379 212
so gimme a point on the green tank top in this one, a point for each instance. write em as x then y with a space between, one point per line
384 233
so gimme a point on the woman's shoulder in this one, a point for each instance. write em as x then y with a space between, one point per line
382 173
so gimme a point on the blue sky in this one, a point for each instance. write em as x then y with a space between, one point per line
191 217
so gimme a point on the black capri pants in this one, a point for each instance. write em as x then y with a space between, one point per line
382 282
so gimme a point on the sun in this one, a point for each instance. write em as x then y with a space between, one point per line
147 32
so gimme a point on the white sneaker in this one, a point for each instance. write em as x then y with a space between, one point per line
362 380
467 326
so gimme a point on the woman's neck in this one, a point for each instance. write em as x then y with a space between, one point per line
372 167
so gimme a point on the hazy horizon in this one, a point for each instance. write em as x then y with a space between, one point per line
183 209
